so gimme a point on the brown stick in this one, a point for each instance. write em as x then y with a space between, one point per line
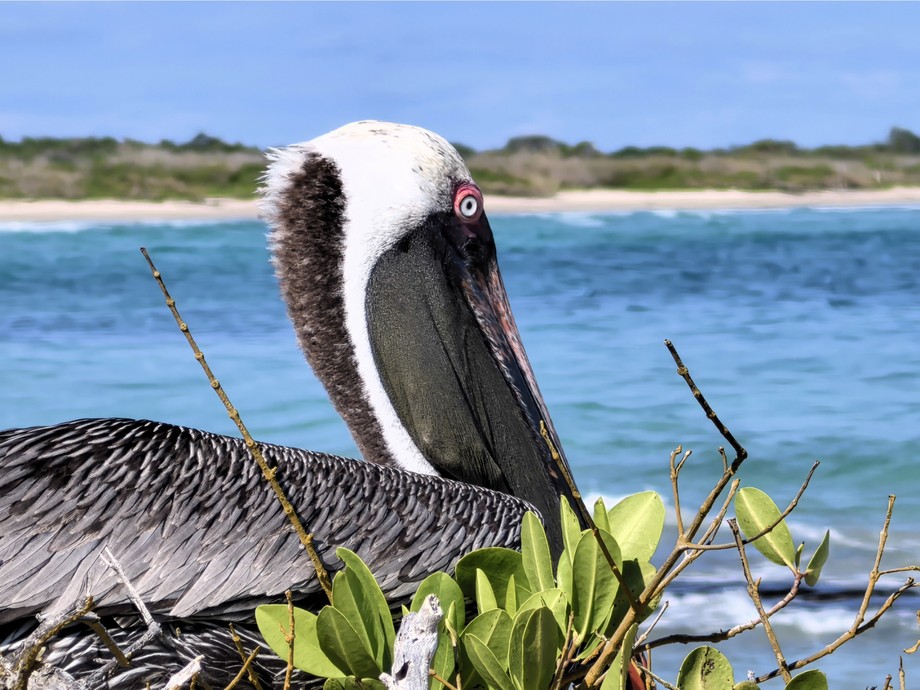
268 472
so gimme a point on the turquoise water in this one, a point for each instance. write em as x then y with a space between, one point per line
799 326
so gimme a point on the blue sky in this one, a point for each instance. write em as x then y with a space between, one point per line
681 74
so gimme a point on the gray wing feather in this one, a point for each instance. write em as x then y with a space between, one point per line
198 530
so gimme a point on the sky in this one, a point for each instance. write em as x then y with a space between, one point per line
616 74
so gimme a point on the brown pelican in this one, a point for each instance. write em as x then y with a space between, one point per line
387 265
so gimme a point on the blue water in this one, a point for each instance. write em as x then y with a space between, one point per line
799 326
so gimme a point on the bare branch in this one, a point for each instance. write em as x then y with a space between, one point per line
268 472
416 643
184 675
246 669
289 636
238 642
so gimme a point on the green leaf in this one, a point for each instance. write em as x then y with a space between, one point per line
535 557
356 594
564 576
817 561
637 575
535 645
448 592
352 683
756 511
511 597
746 685
636 523
809 680
571 527
705 668
553 599
307 653
498 564
493 628
344 647
486 665
600 514
594 584
798 554
619 669
485 596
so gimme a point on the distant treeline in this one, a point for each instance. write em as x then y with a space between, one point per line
206 166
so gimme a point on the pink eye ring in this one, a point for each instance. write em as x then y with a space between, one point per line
468 202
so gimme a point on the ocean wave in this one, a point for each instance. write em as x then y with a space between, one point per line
72 226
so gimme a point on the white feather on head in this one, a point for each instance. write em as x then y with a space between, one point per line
393 177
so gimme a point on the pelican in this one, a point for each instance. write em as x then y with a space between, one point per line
387 265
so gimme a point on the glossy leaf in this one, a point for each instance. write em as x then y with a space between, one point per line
448 592
619 669
600 514
636 523
594 584
553 599
564 576
342 644
571 527
535 645
746 685
755 512
809 680
535 556
485 596
363 600
493 628
486 665
498 564
511 600
352 683
705 668
307 653
817 561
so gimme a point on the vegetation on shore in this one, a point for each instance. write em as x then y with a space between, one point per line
206 167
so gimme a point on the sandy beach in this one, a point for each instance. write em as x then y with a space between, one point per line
598 200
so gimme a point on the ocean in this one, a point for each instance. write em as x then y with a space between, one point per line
799 326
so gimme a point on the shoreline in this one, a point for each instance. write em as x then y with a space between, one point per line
595 200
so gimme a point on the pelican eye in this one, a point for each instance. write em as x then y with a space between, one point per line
468 202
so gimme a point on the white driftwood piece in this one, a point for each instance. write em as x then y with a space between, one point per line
184 675
416 643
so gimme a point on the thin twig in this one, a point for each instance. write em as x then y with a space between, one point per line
289 638
860 624
769 528
24 662
723 635
247 668
654 588
673 474
268 472
754 593
445 683
238 642
644 636
658 679
586 516
710 413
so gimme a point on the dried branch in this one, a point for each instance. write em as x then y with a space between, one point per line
682 370
769 528
153 628
860 624
246 669
723 635
416 643
592 678
753 588
25 661
184 675
238 642
289 638
268 472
